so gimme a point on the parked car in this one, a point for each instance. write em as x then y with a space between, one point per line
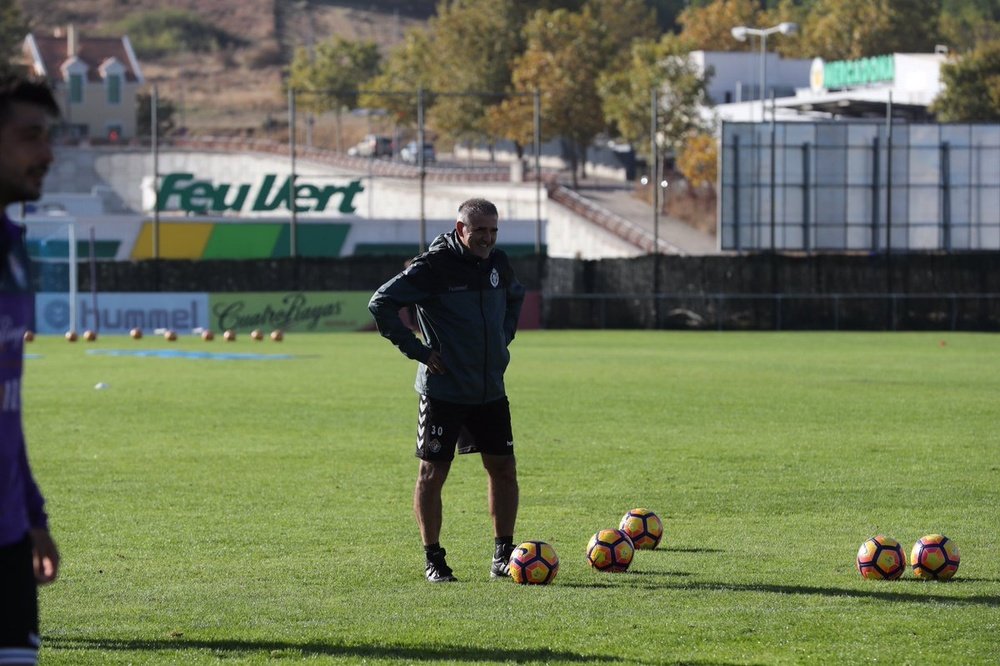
409 153
372 145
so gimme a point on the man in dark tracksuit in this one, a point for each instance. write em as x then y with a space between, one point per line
468 302
28 555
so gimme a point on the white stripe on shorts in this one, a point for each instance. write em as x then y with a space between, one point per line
19 656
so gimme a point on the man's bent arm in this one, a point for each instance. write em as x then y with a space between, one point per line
397 293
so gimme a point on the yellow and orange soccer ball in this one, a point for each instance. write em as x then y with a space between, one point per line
935 557
534 563
644 528
610 550
881 558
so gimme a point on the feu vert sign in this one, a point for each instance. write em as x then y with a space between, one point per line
182 191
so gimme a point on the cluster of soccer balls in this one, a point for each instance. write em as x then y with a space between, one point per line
933 557
536 562
170 335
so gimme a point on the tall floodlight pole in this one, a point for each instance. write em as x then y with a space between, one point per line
655 183
538 171
741 32
292 239
154 140
888 197
423 170
655 159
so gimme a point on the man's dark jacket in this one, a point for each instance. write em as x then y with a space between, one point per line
467 310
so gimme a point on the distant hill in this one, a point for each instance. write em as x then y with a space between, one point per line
251 19
236 89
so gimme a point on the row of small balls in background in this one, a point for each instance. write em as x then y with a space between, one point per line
933 557
610 550
170 335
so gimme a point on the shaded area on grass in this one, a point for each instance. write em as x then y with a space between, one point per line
395 652
632 580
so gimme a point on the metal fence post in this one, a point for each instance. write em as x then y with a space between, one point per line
876 185
946 195
736 192
293 244
805 197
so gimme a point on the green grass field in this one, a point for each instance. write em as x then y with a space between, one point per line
260 511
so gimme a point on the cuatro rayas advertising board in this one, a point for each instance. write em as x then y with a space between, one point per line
297 311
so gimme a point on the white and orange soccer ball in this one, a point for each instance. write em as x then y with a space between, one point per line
534 563
644 528
881 558
256 334
610 550
935 557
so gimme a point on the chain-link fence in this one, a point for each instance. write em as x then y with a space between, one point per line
739 312
825 186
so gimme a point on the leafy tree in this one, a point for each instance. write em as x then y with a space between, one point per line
967 23
626 95
514 117
407 69
13 30
622 23
789 11
698 160
563 59
667 12
709 27
330 78
850 29
475 44
972 87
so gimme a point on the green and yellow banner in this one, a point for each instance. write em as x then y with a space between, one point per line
297 311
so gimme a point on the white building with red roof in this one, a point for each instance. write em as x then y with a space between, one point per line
96 81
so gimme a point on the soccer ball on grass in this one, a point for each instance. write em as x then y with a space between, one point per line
610 550
881 558
534 563
644 528
934 557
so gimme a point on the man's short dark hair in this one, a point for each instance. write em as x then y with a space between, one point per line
17 88
475 208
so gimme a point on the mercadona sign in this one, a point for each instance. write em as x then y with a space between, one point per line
181 191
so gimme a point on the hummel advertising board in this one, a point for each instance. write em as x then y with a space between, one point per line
112 313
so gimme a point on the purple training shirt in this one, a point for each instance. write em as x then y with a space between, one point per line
21 503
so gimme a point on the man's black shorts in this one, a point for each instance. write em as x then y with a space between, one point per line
18 604
474 428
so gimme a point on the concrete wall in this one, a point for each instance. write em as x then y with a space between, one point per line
570 237
387 209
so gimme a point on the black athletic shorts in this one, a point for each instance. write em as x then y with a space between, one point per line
18 605
473 428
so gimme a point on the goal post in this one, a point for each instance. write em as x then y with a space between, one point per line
52 246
